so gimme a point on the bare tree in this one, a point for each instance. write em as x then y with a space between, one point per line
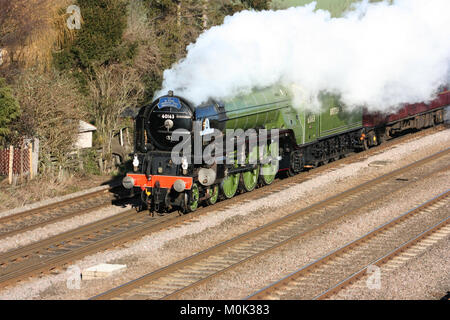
112 90
148 57
51 109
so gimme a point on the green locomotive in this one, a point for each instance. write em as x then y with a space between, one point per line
294 138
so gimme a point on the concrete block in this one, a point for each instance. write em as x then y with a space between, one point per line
103 270
378 163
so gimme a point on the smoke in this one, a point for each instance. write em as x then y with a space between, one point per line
378 55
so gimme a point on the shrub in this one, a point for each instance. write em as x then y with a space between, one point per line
99 41
90 159
9 108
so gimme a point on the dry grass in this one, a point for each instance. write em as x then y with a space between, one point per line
31 30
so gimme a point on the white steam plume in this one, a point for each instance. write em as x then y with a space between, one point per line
378 55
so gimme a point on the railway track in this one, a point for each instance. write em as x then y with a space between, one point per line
172 281
55 253
329 274
38 217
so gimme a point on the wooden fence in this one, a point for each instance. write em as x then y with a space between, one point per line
20 162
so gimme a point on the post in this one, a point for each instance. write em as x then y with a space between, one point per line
10 162
21 163
30 158
179 13
35 144
205 14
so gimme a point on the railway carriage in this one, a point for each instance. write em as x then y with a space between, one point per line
411 116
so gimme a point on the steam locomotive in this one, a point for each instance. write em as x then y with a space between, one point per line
265 125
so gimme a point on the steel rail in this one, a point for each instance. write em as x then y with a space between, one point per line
54 212
389 256
53 219
52 206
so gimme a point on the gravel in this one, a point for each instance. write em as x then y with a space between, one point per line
423 277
